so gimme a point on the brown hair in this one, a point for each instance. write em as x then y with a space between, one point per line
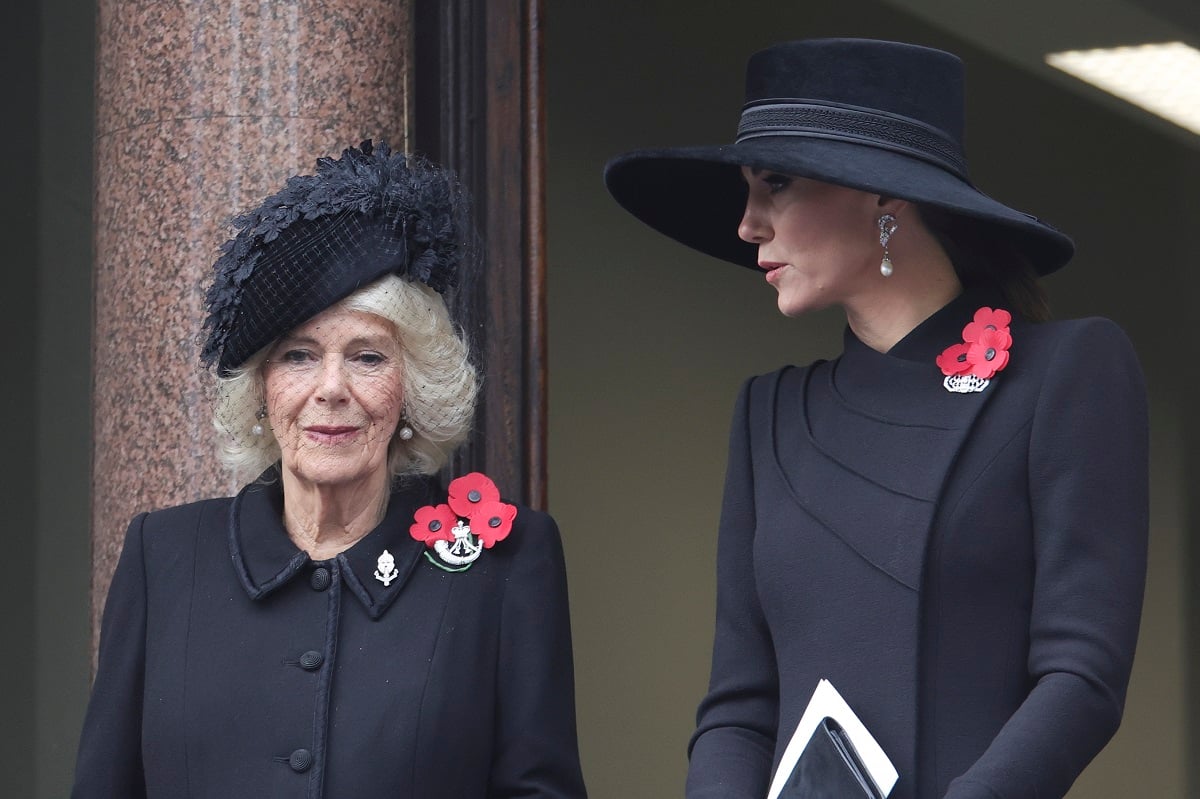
981 257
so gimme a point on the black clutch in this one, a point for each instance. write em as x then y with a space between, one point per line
829 768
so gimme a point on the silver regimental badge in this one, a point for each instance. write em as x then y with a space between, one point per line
385 568
965 384
463 550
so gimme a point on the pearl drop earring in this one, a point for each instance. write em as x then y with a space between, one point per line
261 414
887 226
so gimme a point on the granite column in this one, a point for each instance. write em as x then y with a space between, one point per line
202 108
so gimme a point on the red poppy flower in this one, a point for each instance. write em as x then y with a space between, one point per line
470 491
986 319
989 354
953 361
492 521
433 524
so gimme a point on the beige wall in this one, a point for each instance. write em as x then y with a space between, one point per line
649 343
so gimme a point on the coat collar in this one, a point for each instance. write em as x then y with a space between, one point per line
944 327
904 385
265 558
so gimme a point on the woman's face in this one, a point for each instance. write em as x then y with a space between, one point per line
817 242
334 396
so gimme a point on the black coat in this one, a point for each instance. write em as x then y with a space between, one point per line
234 667
966 569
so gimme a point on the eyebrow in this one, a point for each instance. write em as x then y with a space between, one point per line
755 172
370 341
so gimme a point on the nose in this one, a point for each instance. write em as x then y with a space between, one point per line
331 387
753 228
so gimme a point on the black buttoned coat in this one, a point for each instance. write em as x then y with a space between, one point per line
966 569
234 667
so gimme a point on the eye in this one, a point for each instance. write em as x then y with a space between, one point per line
776 182
369 358
295 355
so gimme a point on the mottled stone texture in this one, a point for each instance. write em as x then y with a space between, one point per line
203 107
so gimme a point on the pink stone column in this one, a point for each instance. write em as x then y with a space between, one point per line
203 107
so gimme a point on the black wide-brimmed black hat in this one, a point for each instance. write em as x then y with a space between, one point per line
364 215
883 117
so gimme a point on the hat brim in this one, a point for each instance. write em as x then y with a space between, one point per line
696 195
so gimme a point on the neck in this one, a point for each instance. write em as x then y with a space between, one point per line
324 520
922 284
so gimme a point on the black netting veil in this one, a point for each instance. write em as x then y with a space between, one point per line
333 345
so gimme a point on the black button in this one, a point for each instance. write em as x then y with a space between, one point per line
311 660
320 579
300 760
474 496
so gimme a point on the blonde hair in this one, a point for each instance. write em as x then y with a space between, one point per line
438 380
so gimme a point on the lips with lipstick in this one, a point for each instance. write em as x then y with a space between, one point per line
330 434
771 268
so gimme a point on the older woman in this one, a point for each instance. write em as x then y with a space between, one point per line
947 521
343 627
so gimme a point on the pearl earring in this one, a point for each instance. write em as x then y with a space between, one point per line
405 432
261 414
887 226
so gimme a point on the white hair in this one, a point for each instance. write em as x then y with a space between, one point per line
438 380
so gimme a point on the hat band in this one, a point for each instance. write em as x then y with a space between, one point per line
857 125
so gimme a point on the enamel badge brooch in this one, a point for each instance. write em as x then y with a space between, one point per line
473 520
385 569
970 365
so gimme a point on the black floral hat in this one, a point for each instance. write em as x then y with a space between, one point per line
364 215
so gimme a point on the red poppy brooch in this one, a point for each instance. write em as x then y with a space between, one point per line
473 520
970 365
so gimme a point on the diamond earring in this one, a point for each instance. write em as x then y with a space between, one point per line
887 226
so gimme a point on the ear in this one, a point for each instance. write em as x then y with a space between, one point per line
891 205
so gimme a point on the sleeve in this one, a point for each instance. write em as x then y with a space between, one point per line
731 751
109 765
1089 490
536 750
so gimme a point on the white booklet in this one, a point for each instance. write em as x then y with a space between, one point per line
826 702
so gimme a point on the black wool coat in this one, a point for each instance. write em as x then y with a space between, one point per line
234 667
966 569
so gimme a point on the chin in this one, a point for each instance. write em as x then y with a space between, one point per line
331 472
791 308
797 303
